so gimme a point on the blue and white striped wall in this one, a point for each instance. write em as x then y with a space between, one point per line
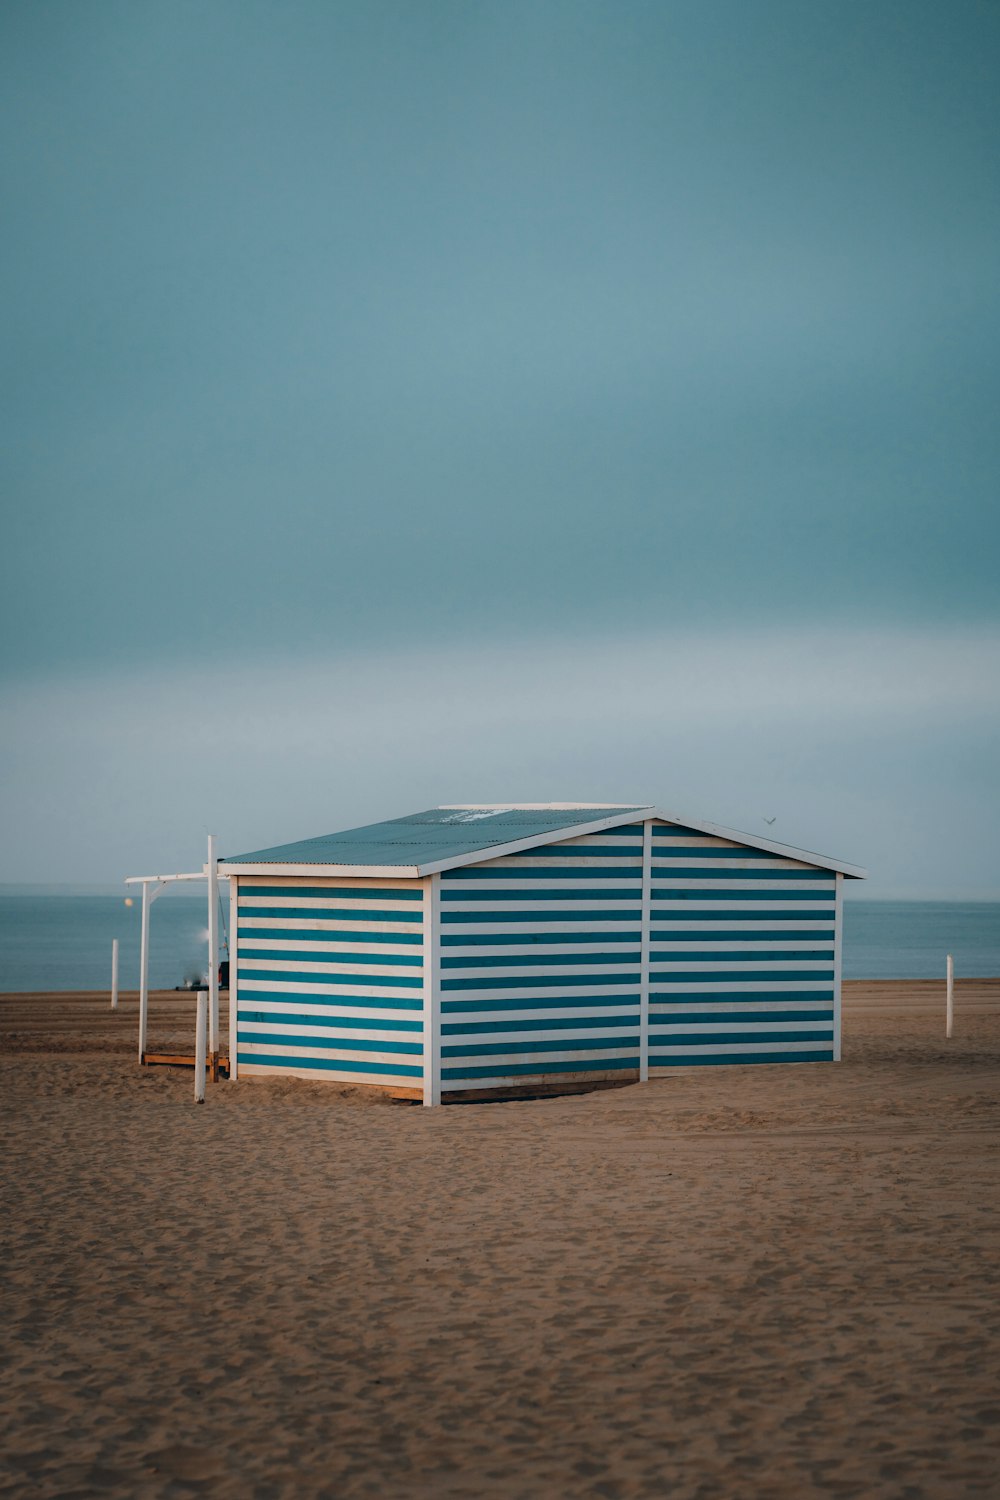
329 979
613 956
540 962
744 955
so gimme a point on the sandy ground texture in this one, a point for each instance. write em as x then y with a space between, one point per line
743 1282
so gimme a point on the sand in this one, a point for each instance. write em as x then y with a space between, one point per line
776 1281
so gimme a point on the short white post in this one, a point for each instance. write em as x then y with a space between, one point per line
213 959
144 972
201 1026
114 973
950 998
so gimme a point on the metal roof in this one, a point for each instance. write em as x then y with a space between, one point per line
445 837
440 833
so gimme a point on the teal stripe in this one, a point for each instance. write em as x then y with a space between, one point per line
515 872
799 935
682 873
710 851
565 1044
331 893
515 939
518 1070
737 976
539 895
742 997
564 1023
743 955
354 957
330 1043
529 1002
357 1002
730 1017
697 896
780 915
582 851
306 976
676 830
330 914
331 1064
744 1059
729 1038
567 981
252 933
353 1023
483 918
510 960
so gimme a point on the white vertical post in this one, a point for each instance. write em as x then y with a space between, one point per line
213 959
838 950
114 973
432 989
234 922
199 1047
144 972
646 905
949 1020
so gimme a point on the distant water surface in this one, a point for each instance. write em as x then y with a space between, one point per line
64 942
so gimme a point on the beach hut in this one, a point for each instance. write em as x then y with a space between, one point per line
538 947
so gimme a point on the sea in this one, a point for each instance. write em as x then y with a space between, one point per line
63 942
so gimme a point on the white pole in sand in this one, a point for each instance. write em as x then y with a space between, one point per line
114 973
213 958
144 971
950 1000
201 1025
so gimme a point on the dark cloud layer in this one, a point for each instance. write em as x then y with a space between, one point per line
344 324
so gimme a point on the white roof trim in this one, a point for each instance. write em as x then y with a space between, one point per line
630 814
770 846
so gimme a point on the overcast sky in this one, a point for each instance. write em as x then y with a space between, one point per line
424 402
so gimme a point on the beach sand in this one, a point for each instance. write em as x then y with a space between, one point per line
738 1282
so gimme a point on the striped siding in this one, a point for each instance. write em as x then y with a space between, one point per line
330 980
741 955
540 963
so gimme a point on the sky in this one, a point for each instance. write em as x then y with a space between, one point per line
408 404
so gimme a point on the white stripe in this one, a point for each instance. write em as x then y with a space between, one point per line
779 924
320 904
292 966
615 925
741 945
374 886
251 924
487 1038
329 1009
750 985
556 991
543 1013
548 862
747 1048
251 940
661 907
503 1059
691 883
528 950
279 987
750 1028
335 1054
573 902
331 1075
690 841
747 965
631 883
477 971
738 1007
262 1028
700 862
